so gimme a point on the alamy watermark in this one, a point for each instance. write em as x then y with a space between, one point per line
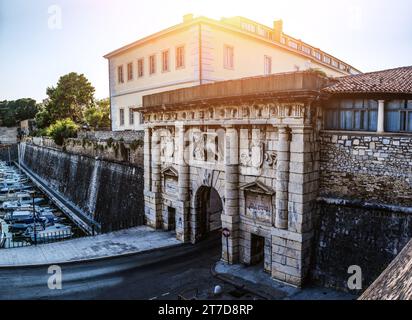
355 280
55 20
55 281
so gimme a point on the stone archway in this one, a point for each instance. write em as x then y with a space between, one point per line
208 211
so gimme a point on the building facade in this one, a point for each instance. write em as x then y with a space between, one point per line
257 157
200 51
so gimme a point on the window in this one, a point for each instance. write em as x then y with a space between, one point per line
140 68
293 44
152 64
165 61
180 57
248 27
121 117
131 117
129 71
342 66
316 54
228 57
120 78
326 59
335 63
351 114
398 116
268 65
283 40
264 33
306 49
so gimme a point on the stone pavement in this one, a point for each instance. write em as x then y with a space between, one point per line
123 242
255 280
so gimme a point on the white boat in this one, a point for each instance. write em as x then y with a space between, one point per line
22 201
13 196
27 216
49 233
15 187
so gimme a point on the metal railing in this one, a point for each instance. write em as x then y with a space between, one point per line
19 241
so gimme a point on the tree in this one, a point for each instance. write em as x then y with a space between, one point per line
43 117
62 129
72 96
12 112
98 116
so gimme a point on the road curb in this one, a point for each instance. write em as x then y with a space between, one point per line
89 260
227 279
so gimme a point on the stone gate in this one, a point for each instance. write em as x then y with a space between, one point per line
254 143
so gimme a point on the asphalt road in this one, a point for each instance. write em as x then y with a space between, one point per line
156 275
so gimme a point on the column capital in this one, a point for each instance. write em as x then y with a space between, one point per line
179 125
282 128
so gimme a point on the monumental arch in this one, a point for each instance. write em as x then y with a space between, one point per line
240 155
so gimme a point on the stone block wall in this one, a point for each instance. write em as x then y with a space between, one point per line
8 135
8 152
364 207
349 236
111 194
127 136
110 150
367 167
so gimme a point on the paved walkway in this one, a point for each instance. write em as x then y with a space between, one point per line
253 278
117 243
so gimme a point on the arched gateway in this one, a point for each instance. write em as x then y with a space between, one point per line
208 212
247 162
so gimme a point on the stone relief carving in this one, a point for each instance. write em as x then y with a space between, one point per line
167 145
198 146
271 158
255 155
245 111
207 177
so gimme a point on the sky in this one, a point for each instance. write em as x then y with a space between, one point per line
41 40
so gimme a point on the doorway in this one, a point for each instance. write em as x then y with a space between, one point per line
209 211
257 254
171 219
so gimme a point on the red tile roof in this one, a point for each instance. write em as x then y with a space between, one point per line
397 80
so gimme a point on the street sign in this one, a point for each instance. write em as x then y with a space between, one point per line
226 232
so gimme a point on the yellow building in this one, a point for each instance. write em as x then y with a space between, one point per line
202 50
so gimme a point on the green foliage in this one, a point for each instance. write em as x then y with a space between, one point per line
316 71
72 96
12 112
135 144
110 142
40 132
43 117
62 129
98 116
123 150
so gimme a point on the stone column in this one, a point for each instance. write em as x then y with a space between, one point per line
292 248
154 218
282 179
147 160
381 116
183 196
231 217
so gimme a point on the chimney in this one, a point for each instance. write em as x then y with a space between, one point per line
278 29
188 17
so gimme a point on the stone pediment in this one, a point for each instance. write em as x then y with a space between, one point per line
258 187
170 171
